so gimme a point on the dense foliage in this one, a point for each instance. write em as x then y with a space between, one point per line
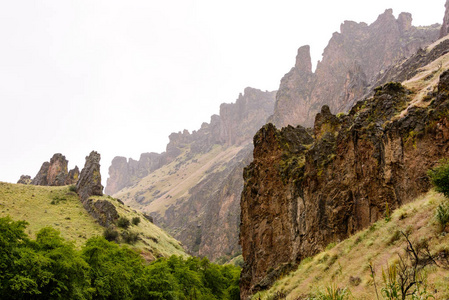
51 268
439 176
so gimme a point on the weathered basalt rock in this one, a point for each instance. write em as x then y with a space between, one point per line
351 61
103 211
89 183
301 194
54 173
25 179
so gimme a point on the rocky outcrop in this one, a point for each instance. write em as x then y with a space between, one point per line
235 125
89 183
103 211
25 179
445 27
351 61
123 173
54 173
303 190
73 176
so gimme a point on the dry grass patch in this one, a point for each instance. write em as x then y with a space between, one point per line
347 264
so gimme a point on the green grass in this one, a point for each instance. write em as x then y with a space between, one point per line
60 208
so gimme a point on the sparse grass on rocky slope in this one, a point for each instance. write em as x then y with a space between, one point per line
61 209
346 264
171 183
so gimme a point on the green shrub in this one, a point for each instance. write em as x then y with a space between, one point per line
439 176
123 222
136 221
130 237
110 234
442 215
72 188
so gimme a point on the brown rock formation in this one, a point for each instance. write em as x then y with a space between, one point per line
351 61
89 183
25 179
103 211
300 193
54 173
445 27
72 177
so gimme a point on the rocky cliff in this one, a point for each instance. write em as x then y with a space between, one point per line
55 173
89 183
307 188
193 189
351 60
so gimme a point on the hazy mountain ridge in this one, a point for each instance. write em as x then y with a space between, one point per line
236 124
194 189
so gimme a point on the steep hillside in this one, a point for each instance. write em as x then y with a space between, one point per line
308 188
195 193
61 208
351 61
345 265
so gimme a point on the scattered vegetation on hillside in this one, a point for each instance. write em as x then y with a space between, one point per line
51 268
403 257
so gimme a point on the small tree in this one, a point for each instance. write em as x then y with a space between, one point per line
123 222
439 176
110 234
136 221
442 215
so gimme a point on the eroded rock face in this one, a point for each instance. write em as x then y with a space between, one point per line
351 61
89 183
25 179
54 173
300 193
103 211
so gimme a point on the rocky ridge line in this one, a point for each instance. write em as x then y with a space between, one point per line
236 124
351 60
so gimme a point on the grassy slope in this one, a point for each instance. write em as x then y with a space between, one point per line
379 244
33 204
165 186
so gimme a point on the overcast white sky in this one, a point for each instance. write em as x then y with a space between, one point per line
119 76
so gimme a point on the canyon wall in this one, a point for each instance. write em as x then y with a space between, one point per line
305 189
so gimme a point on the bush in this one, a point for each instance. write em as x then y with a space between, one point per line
442 215
123 222
439 176
136 221
130 237
72 188
110 234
